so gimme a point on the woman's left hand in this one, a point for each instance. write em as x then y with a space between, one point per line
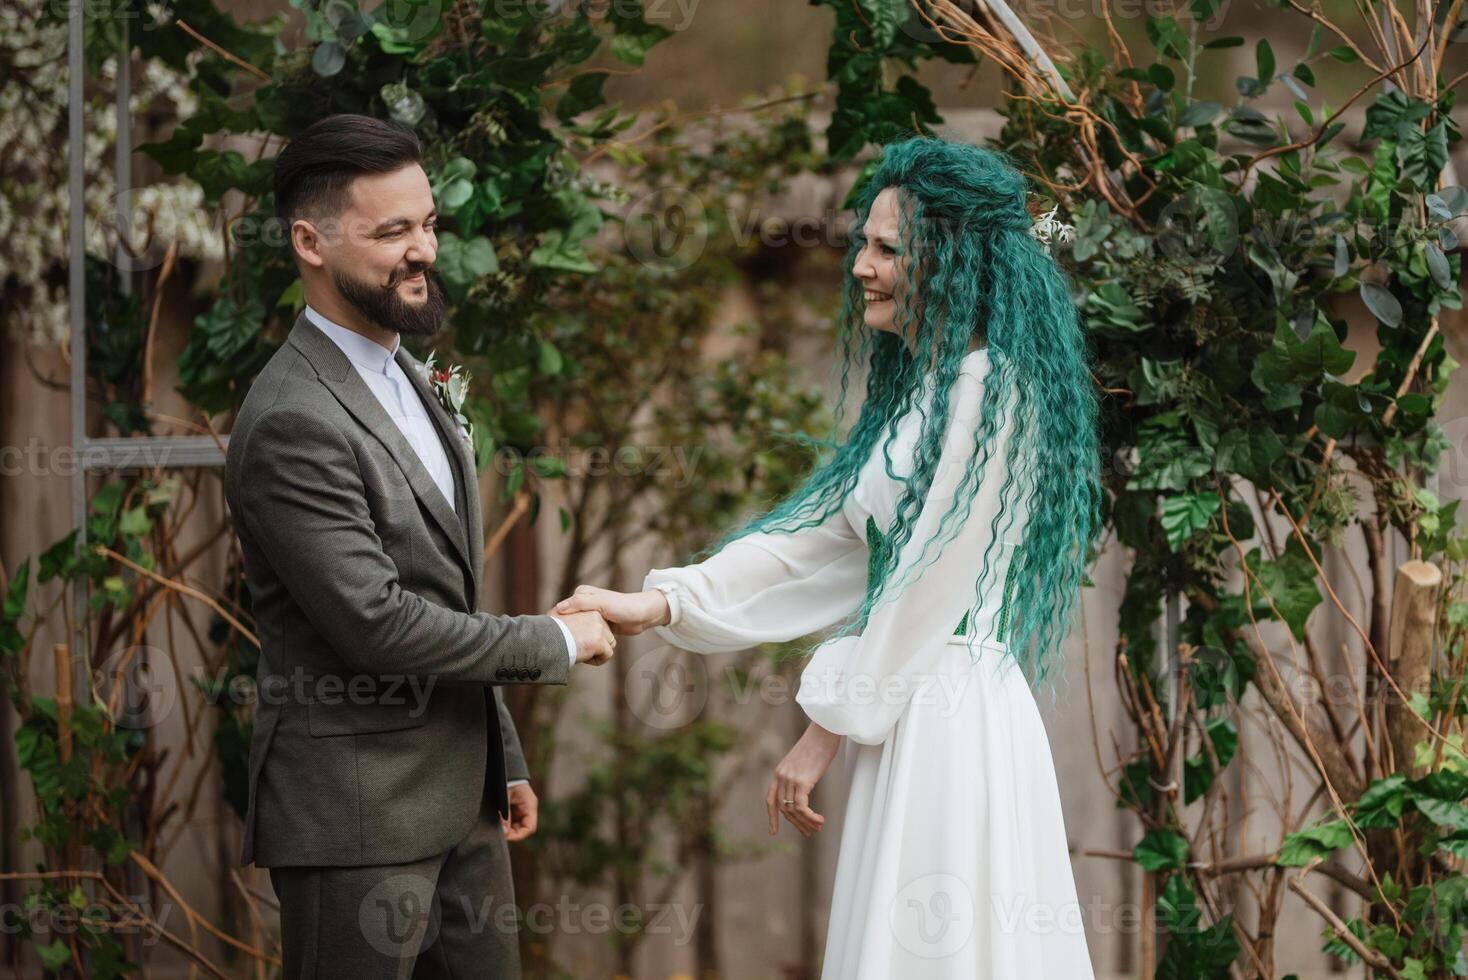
795 777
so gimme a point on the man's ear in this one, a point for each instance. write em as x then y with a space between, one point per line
306 243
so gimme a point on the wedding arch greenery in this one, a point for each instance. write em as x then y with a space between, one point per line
1218 249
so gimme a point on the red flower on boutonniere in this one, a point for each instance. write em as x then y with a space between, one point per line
450 386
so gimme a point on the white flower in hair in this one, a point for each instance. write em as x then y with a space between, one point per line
1048 228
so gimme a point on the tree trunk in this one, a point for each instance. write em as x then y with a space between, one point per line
1413 627
9 856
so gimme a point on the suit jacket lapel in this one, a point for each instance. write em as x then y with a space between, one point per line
461 455
337 373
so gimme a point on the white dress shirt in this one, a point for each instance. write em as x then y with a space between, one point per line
399 399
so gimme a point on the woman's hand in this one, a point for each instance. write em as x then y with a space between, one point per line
627 613
796 775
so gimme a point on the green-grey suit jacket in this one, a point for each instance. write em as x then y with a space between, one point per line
378 723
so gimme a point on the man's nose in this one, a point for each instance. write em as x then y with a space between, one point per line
422 250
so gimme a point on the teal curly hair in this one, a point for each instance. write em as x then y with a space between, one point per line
975 275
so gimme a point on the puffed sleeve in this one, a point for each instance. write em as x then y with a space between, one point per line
766 587
859 685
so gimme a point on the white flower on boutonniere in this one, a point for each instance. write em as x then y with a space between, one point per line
450 386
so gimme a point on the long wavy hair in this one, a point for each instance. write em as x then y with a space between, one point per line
974 274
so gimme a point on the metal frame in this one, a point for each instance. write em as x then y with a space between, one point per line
107 454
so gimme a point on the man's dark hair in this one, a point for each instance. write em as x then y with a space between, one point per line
315 170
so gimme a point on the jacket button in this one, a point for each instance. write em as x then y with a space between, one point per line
500 673
535 674
525 673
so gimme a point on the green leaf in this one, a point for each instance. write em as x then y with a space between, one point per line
1422 155
1177 908
1198 114
1382 304
631 44
1442 812
549 360
560 248
1322 352
1289 583
549 467
1264 59
54 956
1198 770
1117 314
1250 453
1281 279
584 92
1161 849
328 59
462 262
1437 265
135 522
1381 804
1182 514
1299 848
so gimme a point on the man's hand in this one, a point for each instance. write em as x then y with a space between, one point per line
595 643
628 613
524 809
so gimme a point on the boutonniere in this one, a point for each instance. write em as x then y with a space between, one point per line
450 386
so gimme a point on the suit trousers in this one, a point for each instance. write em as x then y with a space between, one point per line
451 916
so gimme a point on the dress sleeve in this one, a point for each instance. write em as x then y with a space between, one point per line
859 685
766 587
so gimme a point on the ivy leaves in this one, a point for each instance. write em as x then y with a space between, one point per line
868 37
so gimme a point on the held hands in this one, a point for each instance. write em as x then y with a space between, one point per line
627 613
796 775
595 643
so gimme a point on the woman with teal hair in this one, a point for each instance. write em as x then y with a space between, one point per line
945 541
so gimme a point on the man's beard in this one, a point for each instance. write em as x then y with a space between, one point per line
383 306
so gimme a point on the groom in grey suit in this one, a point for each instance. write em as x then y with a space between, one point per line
385 772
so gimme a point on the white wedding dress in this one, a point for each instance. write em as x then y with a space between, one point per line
953 860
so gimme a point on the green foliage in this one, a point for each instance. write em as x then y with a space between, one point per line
871 40
1214 310
516 212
